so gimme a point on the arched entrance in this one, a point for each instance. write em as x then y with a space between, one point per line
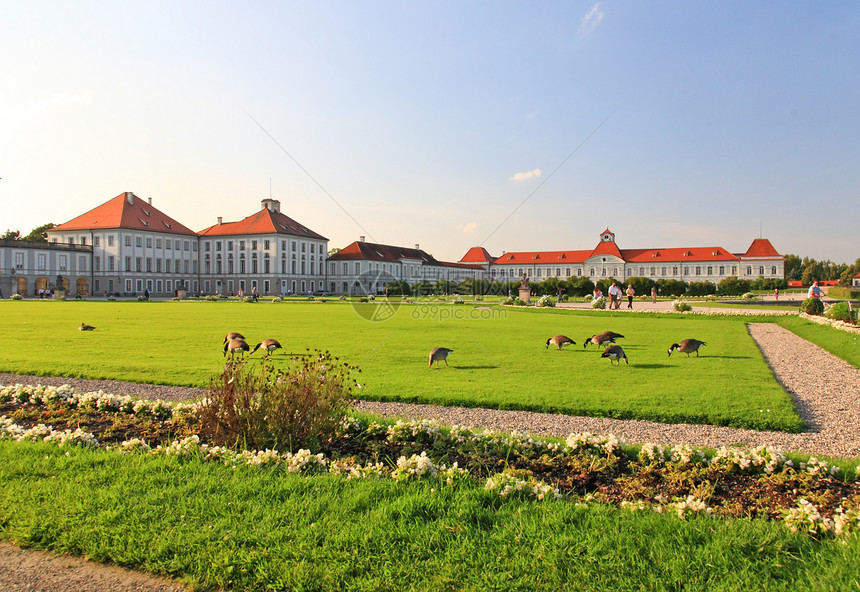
41 284
82 287
22 286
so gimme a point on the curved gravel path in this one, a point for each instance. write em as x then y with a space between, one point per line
825 390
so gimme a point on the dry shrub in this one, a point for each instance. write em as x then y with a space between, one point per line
257 407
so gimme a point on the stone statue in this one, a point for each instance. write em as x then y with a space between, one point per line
525 281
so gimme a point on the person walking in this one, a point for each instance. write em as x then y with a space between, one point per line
776 293
614 296
814 291
654 294
630 294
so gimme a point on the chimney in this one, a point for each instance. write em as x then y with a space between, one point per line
220 219
361 239
417 247
130 197
149 199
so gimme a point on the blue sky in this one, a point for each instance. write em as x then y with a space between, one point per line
512 125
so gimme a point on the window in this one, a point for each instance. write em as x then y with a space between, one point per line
578 271
128 264
761 270
642 271
253 245
139 285
539 272
149 264
773 270
242 264
111 263
185 266
229 245
158 286
567 272
722 270
734 270
241 245
19 260
128 244
230 264
207 246
603 272
218 246
674 271
63 262
662 271
345 270
303 250
110 240
652 270
138 241
138 264
84 240
749 270
128 285
254 265
71 240
266 247
357 267
176 244
186 246
97 263
592 272
158 243
96 241
158 266
149 242
686 270
698 270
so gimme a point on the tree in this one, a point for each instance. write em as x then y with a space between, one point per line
793 267
333 251
11 235
40 233
732 286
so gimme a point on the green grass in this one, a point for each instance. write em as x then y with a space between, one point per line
499 358
251 529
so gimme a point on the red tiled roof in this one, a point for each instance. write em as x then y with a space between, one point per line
606 248
761 247
677 254
476 255
365 251
263 222
119 213
541 257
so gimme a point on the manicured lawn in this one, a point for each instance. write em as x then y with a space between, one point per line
258 529
499 357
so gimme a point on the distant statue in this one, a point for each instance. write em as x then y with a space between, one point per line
525 281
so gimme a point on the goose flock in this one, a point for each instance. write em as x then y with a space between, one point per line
615 353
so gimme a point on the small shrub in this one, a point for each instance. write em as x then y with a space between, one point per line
598 302
211 298
17 297
458 300
749 296
682 305
111 298
141 298
545 301
837 311
299 407
812 306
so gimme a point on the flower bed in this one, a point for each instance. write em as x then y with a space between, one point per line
584 469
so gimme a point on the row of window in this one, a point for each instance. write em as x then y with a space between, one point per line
142 264
643 271
230 287
42 262
207 246
294 267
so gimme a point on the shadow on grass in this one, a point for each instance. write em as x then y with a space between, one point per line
475 367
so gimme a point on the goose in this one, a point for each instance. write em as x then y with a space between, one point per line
439 353
605 337
232 336
85 327
614 352
267 344
687 346
234 346
560 341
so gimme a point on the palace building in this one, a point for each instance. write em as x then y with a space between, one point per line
607 260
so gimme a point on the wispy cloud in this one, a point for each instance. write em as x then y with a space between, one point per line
528 175
591 20
470 227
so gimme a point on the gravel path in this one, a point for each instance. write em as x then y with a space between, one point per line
825 390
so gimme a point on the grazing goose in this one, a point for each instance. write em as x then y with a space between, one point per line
235 346
85 327
267 344
559 341
605 337
614 352
687 346
232 336
439 353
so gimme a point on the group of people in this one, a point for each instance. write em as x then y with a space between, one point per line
615 294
